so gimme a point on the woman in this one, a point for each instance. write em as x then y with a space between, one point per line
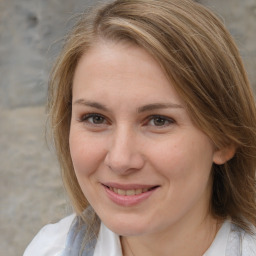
154 124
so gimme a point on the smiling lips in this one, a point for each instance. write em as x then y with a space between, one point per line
128 195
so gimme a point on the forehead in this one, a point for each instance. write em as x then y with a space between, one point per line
109 68
116 55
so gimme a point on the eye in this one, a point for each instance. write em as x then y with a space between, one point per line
160 121
93 119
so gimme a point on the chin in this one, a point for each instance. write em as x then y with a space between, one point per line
127 230
126 227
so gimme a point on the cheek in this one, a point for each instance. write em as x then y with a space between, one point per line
168 157
185 158
86 153
186 167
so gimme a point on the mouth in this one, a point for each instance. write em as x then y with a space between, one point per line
128 195
131 191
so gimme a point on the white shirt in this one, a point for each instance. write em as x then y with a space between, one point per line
51 240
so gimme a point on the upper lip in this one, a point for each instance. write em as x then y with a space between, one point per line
127 186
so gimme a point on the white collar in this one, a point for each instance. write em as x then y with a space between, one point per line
109 242
219 244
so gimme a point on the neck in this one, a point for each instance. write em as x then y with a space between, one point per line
197 239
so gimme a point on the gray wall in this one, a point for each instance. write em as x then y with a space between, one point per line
31 194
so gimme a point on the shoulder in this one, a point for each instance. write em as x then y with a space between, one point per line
249 244
241 241
51 238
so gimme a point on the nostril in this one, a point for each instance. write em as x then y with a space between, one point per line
123 160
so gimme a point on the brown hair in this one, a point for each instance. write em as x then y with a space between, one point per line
199 56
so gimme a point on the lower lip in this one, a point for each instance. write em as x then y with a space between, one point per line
128 200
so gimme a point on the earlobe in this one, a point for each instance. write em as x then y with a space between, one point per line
221 156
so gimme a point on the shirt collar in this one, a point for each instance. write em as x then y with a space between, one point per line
219 244
107 243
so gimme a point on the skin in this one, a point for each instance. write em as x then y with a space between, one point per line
116 135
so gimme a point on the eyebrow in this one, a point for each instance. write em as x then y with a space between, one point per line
157 106
148 107
91 104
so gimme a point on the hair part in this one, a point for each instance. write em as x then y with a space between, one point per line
201 60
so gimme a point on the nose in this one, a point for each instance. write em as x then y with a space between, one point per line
124 154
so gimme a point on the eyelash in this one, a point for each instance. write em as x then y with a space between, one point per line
165 119
168 120
85 118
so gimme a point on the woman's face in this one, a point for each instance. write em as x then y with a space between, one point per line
140 161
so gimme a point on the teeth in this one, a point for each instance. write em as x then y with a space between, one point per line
121 192
138 191
130 192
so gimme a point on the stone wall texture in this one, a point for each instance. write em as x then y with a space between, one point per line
31 194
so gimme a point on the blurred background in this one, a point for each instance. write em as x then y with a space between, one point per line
31 193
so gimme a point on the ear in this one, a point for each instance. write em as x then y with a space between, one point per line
221 156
